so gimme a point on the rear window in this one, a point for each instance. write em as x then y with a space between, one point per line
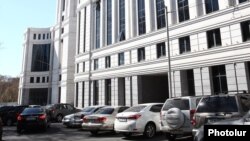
88 109
108 111
217 104
135 108
182 104
32 111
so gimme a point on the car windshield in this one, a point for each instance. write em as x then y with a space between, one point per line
135 108
33 111
182 104
108 111
88 109
217 104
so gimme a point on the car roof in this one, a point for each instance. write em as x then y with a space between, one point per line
148 104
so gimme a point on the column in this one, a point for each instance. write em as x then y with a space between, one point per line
133 25
225 36
128 91
231 77
115 21
193 8
241 76
198 82
236 34
103 24
172 16
206 81
128 21
223 4
135 90
101 92
114 91
86 94
150 15
176 84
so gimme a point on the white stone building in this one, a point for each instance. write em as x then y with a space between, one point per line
118 51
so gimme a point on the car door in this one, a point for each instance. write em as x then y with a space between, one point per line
155 115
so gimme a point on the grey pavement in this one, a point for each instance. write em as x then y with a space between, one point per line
58 132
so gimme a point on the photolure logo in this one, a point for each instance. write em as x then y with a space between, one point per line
215 132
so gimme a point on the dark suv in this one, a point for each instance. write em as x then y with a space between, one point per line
219 107
58 111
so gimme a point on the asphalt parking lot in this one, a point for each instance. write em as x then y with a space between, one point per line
58 132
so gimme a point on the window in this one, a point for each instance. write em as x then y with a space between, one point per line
31 79
97 26
83 66
109 22
240 1
213 38
183 10
184 44
107 62
47 79
62 30
141 54
60 77
156 108
108 92
39 36
96 93
63 5
76 100
34 36
77 68
96 64
38 80
43 36
161 50
211 5
219 79
43 79
245 30
122 20
47 35
121 59
40 57
160 11
141 17
62 18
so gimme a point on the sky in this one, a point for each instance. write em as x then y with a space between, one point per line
15 17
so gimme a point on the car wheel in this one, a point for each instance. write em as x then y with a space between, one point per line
170 137
149 130
174 118
59 118
19 130
127 135
94 132
9 122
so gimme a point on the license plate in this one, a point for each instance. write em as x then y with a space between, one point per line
214 120
122 119
30 118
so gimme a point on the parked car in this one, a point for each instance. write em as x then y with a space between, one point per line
11 116
176 116
32 118
245 120
219 107
102 120
58 111
76 119
1 128
141 119
4 111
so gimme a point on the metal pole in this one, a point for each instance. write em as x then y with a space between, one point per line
169 57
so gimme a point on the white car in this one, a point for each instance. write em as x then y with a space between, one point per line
141 119
102 120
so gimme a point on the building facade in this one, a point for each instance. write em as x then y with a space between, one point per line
116 51
48 60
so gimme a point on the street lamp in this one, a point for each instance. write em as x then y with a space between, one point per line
169 57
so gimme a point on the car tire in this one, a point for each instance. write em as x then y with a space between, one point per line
19 130
149 130
174 118
94 132
59 118
170 137
9 122
127 135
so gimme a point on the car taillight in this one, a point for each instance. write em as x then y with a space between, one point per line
101 119
134 117
192 118
42 117
85 120
19 118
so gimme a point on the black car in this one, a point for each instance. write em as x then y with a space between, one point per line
32 118
12 114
